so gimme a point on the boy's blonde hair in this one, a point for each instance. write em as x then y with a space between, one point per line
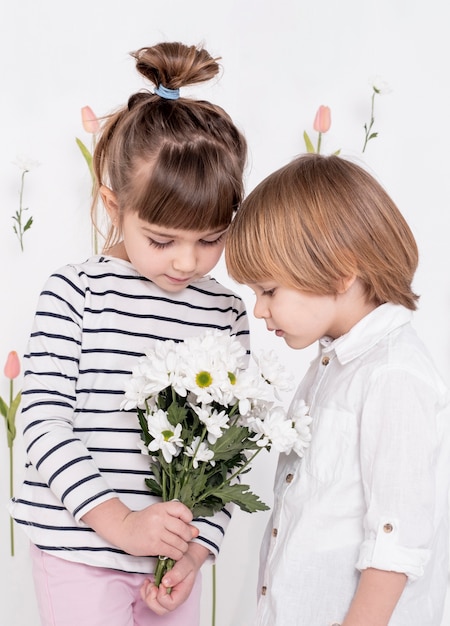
319 220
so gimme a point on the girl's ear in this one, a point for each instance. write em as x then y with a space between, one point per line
110 201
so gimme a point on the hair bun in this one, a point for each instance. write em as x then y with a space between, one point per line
175 65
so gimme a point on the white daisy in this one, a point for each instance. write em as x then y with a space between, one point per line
214 421
274 430
200 452
380 86
165 436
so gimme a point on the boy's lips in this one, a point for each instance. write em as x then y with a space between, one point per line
278 332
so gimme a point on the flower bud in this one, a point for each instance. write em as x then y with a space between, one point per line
12 366
90 122
322 121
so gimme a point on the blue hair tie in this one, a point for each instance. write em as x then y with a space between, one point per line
168 94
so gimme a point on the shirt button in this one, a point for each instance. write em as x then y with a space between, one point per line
388 528
289 478
325 360
263 590
274 532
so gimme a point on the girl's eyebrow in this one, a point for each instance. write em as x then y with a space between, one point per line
173 235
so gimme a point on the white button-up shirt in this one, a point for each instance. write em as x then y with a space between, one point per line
372 488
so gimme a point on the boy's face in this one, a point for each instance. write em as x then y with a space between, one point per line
300 318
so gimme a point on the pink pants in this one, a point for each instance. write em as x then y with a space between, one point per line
74 594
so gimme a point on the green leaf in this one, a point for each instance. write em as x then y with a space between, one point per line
308 143
11 419
176 414
87 156
3 408
241 496
207 508
145 435
28 224
154 487
231 444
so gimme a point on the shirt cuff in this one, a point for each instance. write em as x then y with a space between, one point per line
384 553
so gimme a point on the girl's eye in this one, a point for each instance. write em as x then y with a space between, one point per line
205 242
159 244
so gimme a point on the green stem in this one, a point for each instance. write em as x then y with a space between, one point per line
11 491
372 120
19 220
11 471
208 492
162 567
319 143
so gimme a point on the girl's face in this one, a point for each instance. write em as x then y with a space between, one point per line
171 258
301 318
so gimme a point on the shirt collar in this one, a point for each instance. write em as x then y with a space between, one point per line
367 332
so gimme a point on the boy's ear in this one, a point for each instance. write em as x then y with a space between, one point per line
110 201
345 283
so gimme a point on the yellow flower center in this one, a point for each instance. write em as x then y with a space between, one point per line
203 379
232 378
167 434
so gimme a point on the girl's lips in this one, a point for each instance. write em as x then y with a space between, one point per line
180 281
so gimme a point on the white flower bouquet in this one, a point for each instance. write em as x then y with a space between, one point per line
204 417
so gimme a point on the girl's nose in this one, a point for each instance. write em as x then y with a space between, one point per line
185 260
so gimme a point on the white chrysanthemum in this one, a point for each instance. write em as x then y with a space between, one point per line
302 420
251 388
274 372
380 86
214 421
142 447
200 453
275 430
135 394
208 365
159 366
221 348
25 164
165 436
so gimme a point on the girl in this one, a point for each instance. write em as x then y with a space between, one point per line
359 531
169 171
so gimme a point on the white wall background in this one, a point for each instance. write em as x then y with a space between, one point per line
281 61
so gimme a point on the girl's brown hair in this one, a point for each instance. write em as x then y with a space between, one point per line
177 163
319 220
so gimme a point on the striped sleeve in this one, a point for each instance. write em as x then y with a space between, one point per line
49 397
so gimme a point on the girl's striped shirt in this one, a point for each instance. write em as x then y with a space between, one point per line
93 321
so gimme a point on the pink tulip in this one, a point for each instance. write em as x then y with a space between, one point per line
322 121
90 122
12 366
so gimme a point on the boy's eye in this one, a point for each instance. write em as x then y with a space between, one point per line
268 292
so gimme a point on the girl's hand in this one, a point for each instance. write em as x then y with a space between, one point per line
179 580
160 529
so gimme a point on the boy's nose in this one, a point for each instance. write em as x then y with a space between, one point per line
260 311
